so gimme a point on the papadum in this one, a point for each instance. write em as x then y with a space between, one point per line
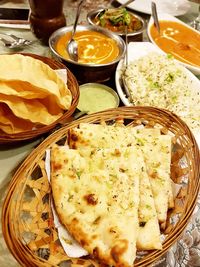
32 91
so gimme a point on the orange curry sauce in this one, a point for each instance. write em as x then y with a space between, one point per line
180 41
93 47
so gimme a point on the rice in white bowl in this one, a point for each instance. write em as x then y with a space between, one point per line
157 80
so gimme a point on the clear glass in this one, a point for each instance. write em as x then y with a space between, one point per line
196 22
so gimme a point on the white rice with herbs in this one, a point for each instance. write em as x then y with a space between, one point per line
157 80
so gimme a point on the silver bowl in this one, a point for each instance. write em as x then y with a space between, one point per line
88 72
132 36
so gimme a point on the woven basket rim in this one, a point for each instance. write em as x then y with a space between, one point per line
73 87
97 117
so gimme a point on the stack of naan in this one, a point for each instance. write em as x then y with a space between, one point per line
31 94
112 189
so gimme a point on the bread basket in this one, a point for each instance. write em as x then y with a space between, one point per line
28 226
73 87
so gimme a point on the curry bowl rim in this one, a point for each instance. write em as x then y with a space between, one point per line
168 17
58 33
95 11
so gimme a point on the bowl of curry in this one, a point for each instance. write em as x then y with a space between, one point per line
99 52
178 39
115 20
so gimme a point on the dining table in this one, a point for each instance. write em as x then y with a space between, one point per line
186 251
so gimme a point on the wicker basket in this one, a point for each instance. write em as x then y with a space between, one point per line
73 87
27 219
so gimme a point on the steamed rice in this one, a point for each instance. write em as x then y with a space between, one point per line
157 80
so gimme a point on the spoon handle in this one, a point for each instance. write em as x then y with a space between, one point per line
126 42
155 16
77 17
124 82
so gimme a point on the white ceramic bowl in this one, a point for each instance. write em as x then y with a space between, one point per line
173 7
194 69
137 50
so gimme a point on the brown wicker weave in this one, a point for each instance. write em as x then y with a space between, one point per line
73 87
27 219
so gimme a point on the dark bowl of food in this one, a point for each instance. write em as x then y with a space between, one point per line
116 20
99 52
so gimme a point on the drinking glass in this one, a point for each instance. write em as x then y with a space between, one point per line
196 22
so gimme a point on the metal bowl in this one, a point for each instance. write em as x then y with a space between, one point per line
88 72
132 36
99 99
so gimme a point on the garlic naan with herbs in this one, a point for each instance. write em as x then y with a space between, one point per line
97 199
155 147
104 174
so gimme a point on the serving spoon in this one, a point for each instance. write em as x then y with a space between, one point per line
124 82
155 16
72 46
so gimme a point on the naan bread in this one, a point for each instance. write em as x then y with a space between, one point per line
156 149
149 230
97 199
97 135
157 153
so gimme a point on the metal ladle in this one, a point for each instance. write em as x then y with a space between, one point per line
125 86
72 46
155 16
